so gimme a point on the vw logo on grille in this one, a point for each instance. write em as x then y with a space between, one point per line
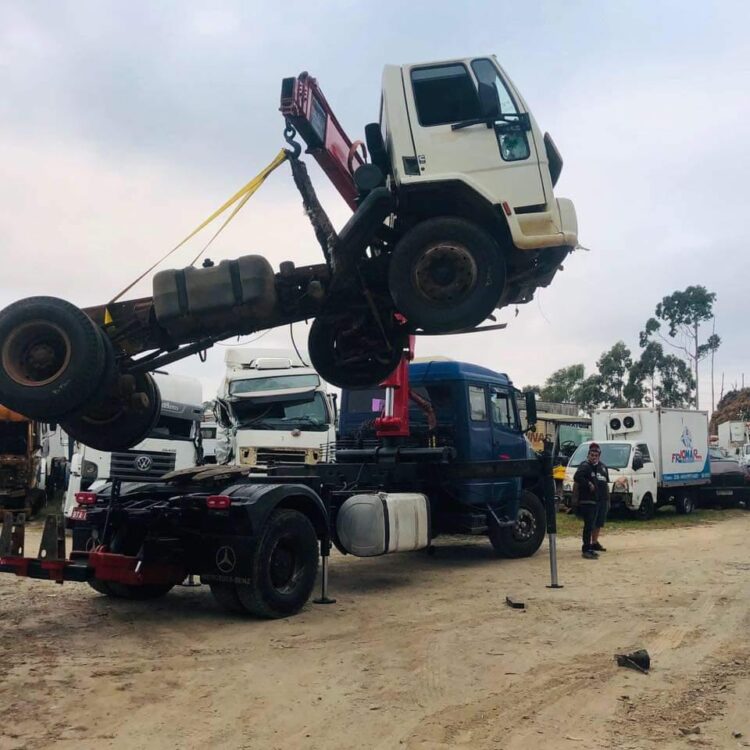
143 463
226 559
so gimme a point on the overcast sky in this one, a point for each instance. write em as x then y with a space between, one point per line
123 124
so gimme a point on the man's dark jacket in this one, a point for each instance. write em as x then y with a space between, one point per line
596 475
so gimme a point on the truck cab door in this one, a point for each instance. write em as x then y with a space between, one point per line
644 479
480 444
500 161
507 440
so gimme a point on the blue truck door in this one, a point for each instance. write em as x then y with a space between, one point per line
507 443
507 440
480 431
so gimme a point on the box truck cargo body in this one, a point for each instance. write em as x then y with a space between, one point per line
733 436
655 457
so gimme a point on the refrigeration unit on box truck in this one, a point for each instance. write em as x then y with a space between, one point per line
655 457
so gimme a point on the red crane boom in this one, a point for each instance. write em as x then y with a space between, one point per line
307 111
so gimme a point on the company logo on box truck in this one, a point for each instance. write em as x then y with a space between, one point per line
687 454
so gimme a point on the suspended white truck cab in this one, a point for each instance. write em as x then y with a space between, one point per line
478 220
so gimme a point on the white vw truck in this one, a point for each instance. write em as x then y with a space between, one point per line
655 457
274 409
173 443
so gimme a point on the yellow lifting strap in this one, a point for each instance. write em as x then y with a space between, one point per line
240 197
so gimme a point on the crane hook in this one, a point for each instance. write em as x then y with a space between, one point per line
289 133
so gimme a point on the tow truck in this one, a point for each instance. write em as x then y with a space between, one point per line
454 215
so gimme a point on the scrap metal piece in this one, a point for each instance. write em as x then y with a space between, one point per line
12 537
52 546
514 604
638 660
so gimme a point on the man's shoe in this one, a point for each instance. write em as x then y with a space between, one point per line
589 554
598 547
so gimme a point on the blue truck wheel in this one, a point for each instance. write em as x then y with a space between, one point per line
525 538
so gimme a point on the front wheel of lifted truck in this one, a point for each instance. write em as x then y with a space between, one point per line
446 274
525 538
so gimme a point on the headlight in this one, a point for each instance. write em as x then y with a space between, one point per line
89 470
621 485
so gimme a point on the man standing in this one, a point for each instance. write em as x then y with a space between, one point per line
592 479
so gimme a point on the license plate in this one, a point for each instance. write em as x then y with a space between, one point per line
725 492
78 514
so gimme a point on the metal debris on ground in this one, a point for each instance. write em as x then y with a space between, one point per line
638 660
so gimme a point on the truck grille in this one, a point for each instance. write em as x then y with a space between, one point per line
141 466
280 456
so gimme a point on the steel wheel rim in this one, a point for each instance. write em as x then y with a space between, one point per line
525 525
445 272
284 567
36 353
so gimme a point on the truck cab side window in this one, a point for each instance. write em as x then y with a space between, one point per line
642 448
477 404
513 141
444 94
503 412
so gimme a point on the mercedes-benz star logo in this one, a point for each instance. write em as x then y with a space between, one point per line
226 559
143 463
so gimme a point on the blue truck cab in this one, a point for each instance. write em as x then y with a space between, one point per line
476 414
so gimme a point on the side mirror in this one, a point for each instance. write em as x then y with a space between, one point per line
637 462
489 101
530 397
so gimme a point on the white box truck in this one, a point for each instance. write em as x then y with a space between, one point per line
272 407
655 457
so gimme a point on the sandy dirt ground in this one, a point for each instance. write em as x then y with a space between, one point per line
419 652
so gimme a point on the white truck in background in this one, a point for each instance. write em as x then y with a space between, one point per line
274 408
734 438
174 443
56 448
655 457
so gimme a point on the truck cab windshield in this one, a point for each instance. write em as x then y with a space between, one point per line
272 383
283 414
614 455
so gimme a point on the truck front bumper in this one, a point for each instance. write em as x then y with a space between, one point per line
621 500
